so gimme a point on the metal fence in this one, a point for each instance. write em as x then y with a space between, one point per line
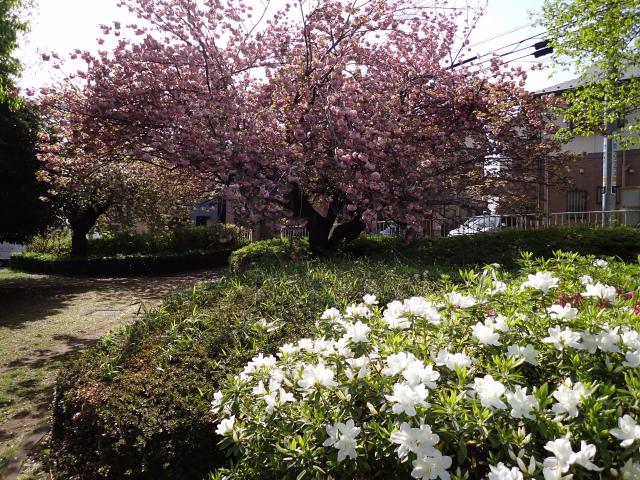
245 234
452 226
291 232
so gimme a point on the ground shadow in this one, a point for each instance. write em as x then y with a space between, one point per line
31 299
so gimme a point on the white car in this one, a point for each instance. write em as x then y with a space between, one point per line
480 224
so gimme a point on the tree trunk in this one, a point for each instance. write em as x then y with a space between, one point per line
79 242
82 219
322 240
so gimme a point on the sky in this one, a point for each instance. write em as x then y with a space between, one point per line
64 25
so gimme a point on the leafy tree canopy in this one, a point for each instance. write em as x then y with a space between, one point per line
601 40
11 25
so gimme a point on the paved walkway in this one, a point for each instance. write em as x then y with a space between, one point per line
44 321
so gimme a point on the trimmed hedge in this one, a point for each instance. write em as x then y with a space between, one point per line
121 265
502 247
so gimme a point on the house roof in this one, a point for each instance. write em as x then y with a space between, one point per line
632 72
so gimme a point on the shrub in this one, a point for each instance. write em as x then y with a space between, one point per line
55 242
121 265
180 240
535 376
277 251
138 404
504 247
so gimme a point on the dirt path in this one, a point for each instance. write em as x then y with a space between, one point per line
44 321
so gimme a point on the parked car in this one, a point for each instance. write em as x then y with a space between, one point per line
391 231
479 224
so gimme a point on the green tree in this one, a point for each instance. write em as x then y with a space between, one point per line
11 25
601 40
22 213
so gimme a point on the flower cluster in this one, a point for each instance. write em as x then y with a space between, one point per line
498 378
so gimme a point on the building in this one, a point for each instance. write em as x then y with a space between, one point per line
585 192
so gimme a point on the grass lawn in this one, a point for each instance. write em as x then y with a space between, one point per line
46 320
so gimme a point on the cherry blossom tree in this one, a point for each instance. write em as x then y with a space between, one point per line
89 181
336 112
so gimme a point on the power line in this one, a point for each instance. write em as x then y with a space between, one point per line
547 49
513 30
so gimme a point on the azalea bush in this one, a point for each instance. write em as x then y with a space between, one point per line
499 377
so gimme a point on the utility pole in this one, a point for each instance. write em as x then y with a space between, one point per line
609 175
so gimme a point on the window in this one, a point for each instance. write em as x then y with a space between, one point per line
599 195
577 201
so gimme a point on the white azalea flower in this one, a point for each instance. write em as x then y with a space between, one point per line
361 364
608 339
489 391
499 322
631 470
277 398
410 439
358 332
397 362
452 360
317 375
486 335
559 312
601 291
563 338
628 431
631 339
416 372
521 403
342 436
258 362
543 281
589 341
497 287
407 397
431 464
586 280
216 402
370 300
395 316
502 472
563 455
632 359
332 314
357 311
305 344
569 397
288 349
420 308
461 301
226 426
528 353
585 456
600 263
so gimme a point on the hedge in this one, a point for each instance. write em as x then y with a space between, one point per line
121 265
496 247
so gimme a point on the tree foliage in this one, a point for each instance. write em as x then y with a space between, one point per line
91 183
600 39
11 25
22 212
329 111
